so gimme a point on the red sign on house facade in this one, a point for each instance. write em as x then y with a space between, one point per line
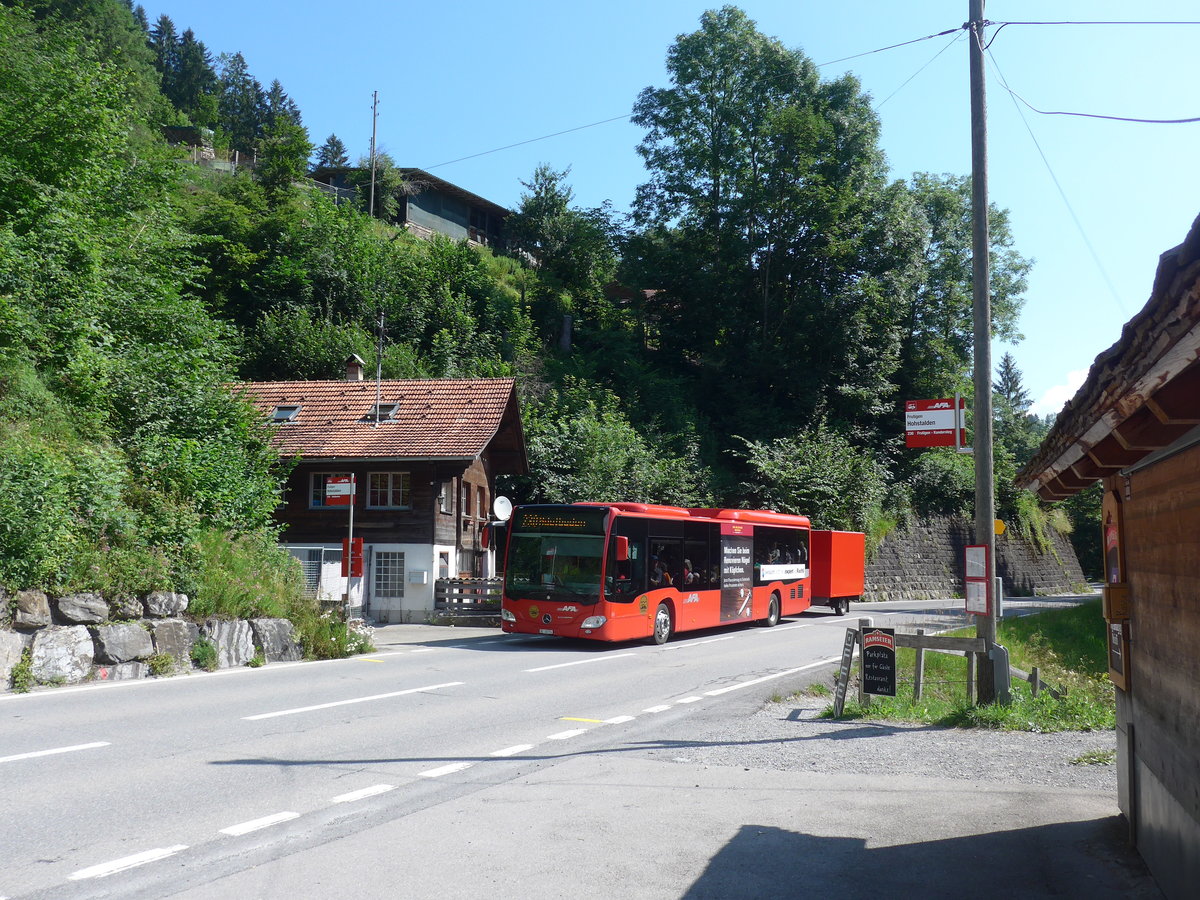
933 423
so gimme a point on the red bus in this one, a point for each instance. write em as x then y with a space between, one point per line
622 571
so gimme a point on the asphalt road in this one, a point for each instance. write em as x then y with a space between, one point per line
290 779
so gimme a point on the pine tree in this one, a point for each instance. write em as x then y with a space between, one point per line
1008 386
281 109
241 105
196 85
332 154
165 43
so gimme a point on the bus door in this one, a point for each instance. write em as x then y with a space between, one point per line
625 583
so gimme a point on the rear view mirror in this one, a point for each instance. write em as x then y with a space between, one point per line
622 549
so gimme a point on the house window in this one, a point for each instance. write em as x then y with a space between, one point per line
383 411
445 499
388 490
481 505
284 414
389 574
466 501
317 483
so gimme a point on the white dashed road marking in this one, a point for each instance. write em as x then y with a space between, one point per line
619 720
362 794
744 684
688 699
512 751
653 709
36 753
303 709
445 770
580 662
126 862
256 824
563 735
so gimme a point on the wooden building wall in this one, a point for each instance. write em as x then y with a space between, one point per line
1161 532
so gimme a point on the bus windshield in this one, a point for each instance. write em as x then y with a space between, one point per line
559 566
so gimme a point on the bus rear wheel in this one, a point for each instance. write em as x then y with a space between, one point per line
662 624
772 618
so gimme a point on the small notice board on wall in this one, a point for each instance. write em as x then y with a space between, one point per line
979 585
1118 654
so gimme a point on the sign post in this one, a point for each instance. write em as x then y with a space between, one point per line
340 491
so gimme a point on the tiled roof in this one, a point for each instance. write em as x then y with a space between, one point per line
433 419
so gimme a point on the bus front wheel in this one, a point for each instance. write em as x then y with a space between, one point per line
662 624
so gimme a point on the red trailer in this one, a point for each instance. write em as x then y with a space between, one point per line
838 568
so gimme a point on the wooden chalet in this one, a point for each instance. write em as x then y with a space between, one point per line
1135 427
424 455
432 205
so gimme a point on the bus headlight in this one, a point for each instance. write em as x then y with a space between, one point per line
593 622
506 615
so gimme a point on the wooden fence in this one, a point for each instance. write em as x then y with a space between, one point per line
467 596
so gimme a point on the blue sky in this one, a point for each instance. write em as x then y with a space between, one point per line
458 79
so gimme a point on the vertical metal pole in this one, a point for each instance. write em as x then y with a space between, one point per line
374 121
350 547
864 699
919 669
985 503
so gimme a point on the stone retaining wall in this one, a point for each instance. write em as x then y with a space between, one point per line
83 637
924 561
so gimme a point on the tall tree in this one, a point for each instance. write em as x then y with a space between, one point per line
574 245
938 317
1018 432
778 248
164 41
283 158
280 107
332 154
196 85
242 103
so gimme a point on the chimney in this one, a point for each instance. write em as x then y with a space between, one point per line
354 368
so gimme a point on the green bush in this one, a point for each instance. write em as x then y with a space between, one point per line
245 577
161 664
204 654
817 472
22 674
943 484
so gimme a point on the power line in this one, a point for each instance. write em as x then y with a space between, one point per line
893 46
544 137
1092 23
1083 115
947 46
1112 288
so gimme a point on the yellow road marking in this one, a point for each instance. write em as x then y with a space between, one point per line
573 719
368 659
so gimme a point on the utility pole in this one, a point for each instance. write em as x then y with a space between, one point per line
374 122
985 499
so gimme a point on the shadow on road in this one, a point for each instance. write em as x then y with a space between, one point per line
1072 859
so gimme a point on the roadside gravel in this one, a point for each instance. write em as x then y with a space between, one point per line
788 736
